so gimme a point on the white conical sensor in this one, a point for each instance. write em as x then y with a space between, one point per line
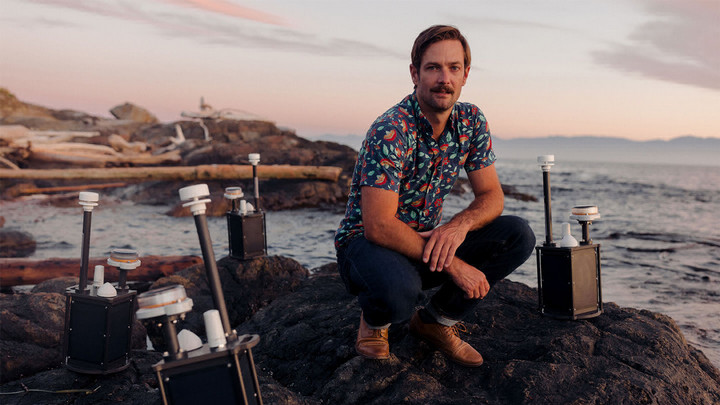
567 240
214 329
107 291
188 341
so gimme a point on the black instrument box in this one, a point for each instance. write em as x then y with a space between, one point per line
210 376
98 331
246 235
569 285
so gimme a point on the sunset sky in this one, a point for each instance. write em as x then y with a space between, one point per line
638 69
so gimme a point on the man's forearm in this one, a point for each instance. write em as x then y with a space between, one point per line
444 240
398 236
481 211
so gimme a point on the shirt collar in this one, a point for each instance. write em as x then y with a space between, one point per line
422 122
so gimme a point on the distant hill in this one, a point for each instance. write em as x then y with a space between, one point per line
688 150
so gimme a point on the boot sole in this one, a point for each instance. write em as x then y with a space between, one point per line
367 356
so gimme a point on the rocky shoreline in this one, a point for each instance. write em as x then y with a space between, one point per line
307 324
305 319
135 132
217 139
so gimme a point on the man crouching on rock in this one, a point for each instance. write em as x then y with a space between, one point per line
389 245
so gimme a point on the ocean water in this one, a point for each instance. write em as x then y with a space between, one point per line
659 233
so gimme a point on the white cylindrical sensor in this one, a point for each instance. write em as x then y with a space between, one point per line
196 191
89 200
214 329
193 198
99 276
546 161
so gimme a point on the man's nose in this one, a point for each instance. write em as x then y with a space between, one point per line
444 76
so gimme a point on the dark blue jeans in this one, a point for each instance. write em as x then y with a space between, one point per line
389 285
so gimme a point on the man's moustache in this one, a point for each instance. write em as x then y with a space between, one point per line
442 89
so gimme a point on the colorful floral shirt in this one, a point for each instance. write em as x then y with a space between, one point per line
399 154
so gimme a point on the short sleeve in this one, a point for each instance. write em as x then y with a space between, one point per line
481 153
382 158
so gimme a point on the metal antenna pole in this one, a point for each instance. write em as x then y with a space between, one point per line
192 195
212 271
88 200
170 334
254 159
85 253
547 161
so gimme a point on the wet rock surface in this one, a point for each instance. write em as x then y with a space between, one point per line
306 356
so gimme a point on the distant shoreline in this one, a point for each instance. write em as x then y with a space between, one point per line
688 151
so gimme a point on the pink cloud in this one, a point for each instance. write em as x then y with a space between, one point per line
232 10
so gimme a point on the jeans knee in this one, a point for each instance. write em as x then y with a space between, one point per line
523 240
398 301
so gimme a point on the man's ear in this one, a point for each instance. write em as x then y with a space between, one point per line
465 76
414 74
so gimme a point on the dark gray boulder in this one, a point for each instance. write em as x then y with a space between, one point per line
32 326
14 243
247 287
623 356
306 356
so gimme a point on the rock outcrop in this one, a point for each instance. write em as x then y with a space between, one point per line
132 112
202 141
198 142
306 354
623 356
32 327
14 243
247 287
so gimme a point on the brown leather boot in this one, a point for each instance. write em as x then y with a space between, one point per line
446 339
372 343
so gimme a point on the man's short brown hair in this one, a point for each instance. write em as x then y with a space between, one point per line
437 33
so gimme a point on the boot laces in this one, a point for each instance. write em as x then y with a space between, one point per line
458 328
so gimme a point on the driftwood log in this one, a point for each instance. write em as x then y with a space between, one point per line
19 271
28 189
202 172
82 157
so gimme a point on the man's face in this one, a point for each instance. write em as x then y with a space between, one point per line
441 76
